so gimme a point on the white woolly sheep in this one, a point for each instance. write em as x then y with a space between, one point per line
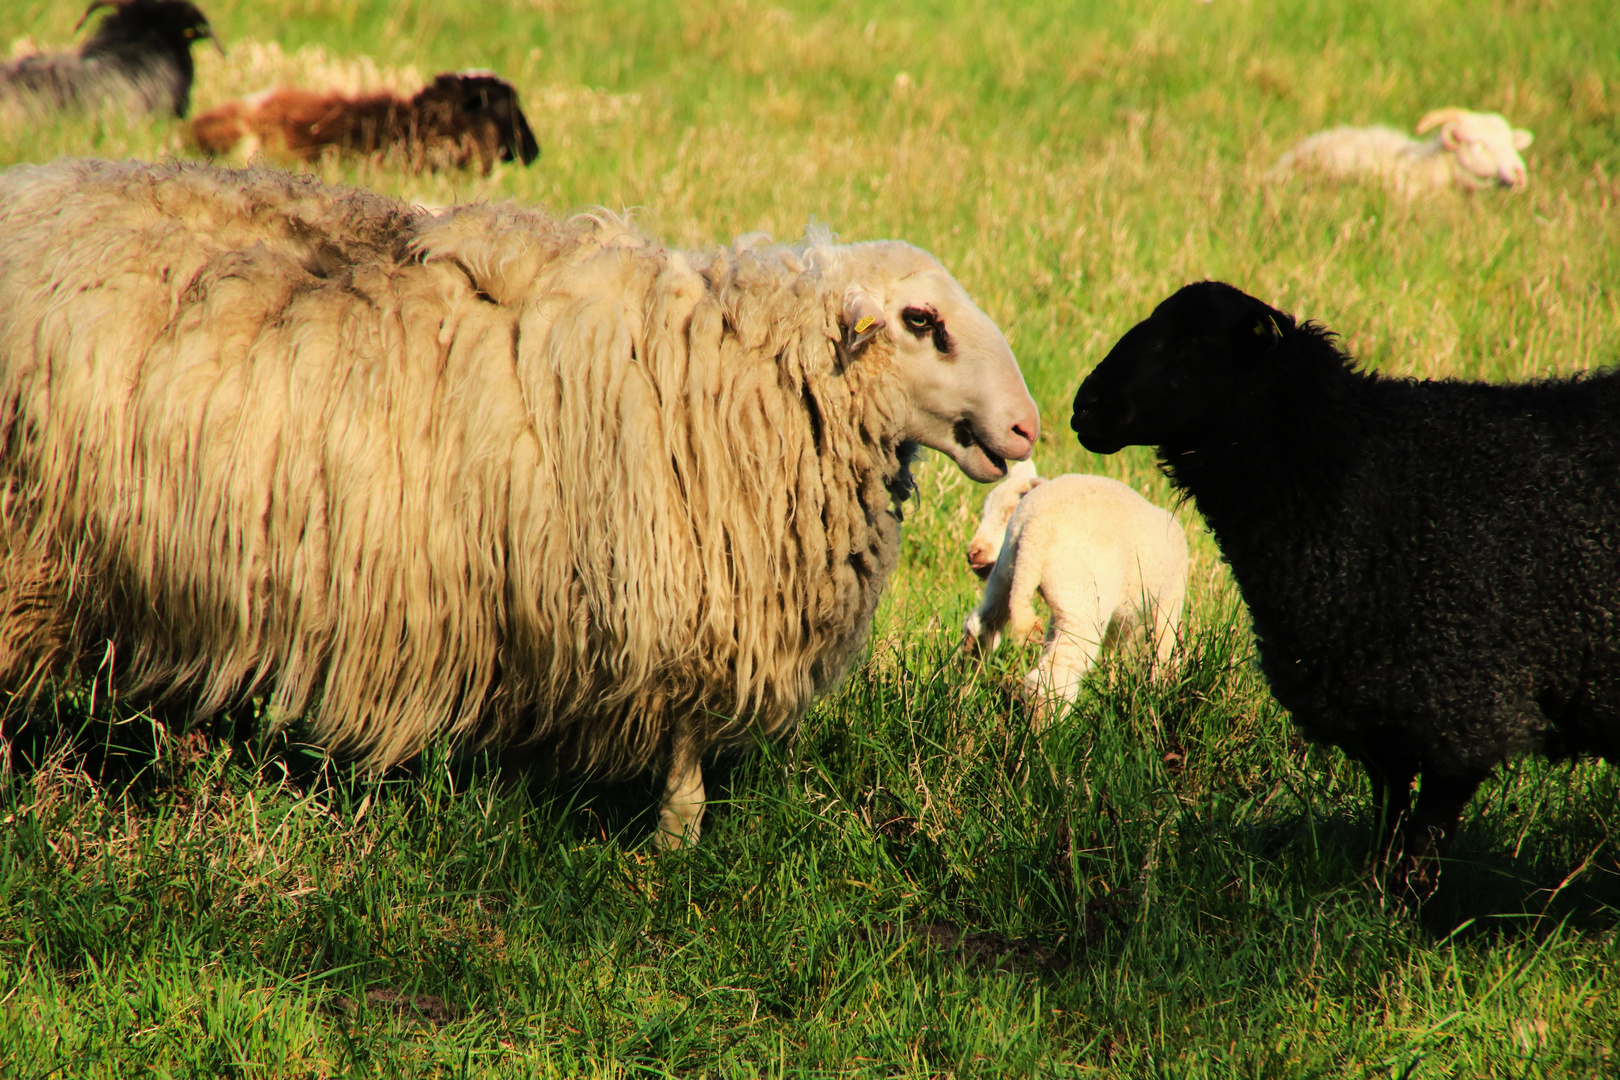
487 476
459 119
138 58
1109 564
1469 150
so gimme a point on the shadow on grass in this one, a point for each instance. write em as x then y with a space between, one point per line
1492 884
145 751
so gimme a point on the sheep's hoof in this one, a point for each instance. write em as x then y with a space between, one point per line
1407 881
674 832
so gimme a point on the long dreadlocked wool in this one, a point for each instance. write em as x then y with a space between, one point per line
488 476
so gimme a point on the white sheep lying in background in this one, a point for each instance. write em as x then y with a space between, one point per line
1107 562
1469 150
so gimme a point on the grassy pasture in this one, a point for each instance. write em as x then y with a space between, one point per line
1171 885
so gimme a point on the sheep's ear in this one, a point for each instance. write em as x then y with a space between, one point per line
95 5
1522 138
863 318
1448 136
1267 330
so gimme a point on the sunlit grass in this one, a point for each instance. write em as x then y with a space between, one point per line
1170 884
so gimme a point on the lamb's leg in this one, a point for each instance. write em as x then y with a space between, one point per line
982 631
1167 606
1434 824
1072 645
1028 575
680 814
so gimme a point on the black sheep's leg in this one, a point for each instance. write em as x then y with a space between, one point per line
1433 826
1391 776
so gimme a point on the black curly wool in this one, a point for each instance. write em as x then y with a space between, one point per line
1433 568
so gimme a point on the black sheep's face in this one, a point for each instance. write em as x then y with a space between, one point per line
1172 377
481 93
174 25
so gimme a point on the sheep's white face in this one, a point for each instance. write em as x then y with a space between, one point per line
1486 148
968 398
985 547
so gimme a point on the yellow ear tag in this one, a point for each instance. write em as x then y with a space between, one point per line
865 324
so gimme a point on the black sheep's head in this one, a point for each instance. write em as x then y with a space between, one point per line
1174 375
139 34
483 94
171 26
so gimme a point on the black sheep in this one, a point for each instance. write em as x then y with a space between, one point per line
1433 568
460 118
139 57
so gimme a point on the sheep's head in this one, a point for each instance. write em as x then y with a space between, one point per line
137 31
168 25
1485 146
1173 376
968 398
482 95
985 547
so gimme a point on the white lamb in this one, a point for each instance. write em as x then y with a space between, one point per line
1469 150
1107 562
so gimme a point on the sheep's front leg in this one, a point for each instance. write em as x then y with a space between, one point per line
982 631
680 813
1072 646
1391 777
1434 825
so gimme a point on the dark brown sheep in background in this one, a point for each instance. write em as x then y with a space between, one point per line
459 119
139 58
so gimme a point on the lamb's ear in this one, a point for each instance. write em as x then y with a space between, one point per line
1522 138
862 319
1448 136
1024 471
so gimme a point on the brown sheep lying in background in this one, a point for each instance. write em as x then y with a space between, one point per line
461 118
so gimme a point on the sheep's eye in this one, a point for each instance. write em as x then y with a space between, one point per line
918 320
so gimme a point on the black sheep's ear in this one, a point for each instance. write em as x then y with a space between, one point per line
95 5
1266 328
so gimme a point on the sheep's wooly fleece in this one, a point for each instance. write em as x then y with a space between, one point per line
564 483
1433 568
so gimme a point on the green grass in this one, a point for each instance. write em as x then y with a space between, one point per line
1170 884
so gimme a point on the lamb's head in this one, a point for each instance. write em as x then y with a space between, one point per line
1485 146
1177 374
968 399
985 547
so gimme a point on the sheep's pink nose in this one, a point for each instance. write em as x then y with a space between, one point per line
1026 429
980 558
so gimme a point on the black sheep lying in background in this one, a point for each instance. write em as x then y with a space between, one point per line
459 119
139 57
1433 568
